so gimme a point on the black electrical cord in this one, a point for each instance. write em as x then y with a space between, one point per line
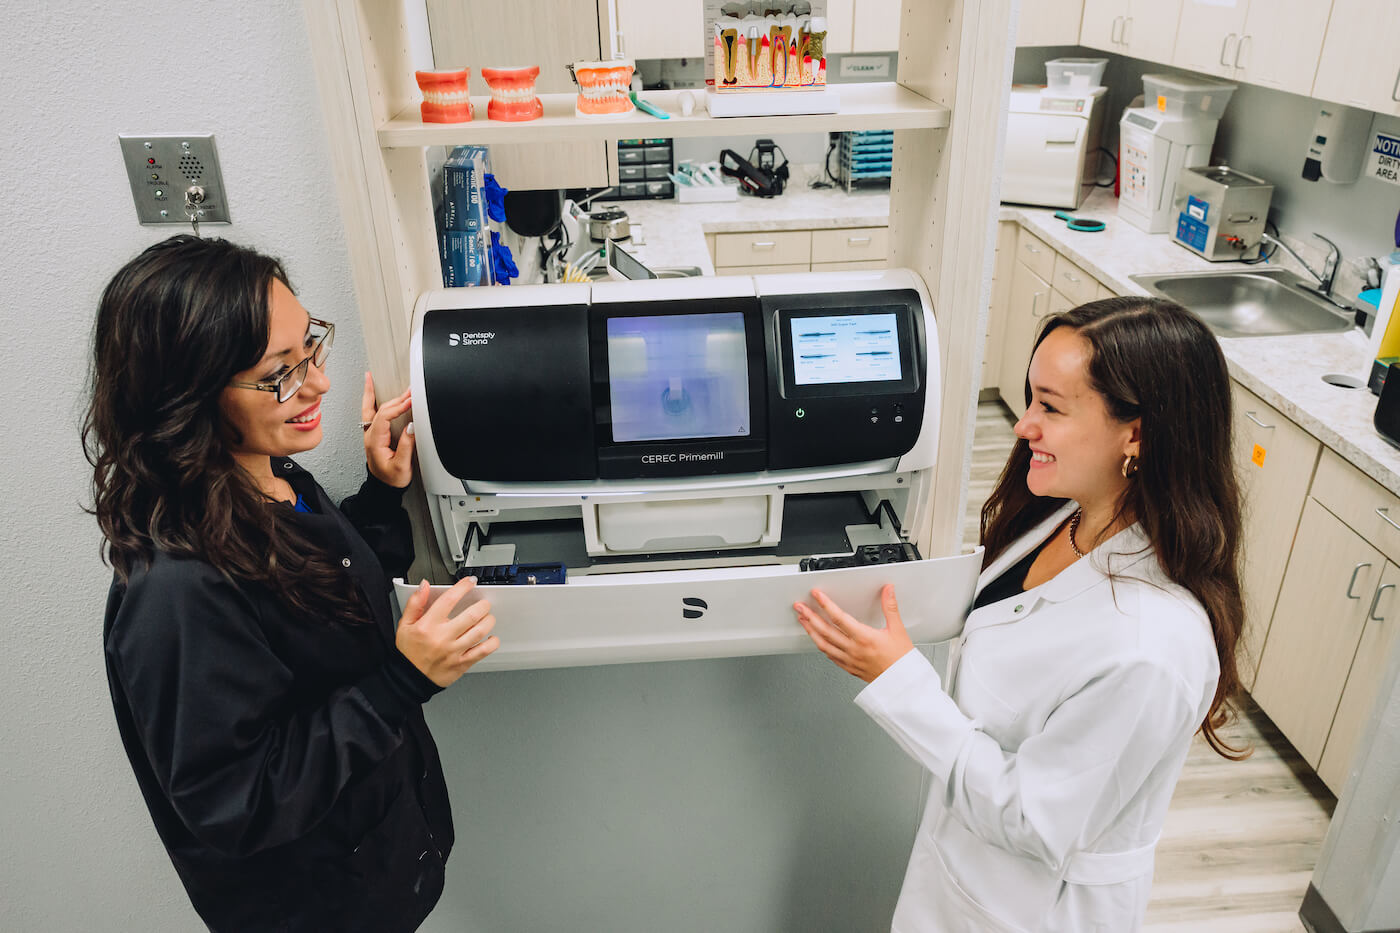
831 180
1110 183
1263 256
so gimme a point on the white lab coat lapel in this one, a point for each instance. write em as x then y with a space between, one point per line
1004 611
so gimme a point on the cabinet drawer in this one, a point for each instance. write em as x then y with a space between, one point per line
1036 254
783 248
1367 506
760 270
1073 282
850 245
848 266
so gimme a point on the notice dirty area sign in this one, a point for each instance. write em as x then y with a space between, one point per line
1383 160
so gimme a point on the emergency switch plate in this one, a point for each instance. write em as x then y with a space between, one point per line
163 167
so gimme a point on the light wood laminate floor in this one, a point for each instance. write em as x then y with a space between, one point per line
1241 838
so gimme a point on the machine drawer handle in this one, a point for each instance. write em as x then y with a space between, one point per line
853 240
1395 88
1116 30
1250 416
1225 47
1354 571
764 244
1386 518
1371 613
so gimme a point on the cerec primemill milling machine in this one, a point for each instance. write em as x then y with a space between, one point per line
658 469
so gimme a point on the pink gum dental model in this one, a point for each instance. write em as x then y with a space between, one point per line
603 88
513 96
445 97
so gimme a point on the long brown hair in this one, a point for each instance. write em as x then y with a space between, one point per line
1155 360
173 327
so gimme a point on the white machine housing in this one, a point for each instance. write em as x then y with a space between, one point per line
1052 145
1153 149
707 561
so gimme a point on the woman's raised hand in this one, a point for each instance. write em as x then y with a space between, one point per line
390 464
855 647
442 646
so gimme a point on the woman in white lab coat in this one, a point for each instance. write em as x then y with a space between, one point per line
1102 638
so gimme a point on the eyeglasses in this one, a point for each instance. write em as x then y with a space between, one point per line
287 384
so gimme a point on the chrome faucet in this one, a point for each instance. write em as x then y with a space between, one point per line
1329 267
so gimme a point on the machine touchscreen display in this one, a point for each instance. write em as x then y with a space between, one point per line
678 376
842 348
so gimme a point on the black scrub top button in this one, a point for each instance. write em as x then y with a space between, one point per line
287 465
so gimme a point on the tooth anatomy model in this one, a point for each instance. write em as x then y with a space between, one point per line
603 88
763 54
445 97
513 97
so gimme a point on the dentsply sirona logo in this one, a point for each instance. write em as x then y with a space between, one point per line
698 607
469 339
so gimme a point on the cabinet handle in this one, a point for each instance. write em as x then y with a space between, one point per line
764 244
1371 613
1115 30
1074 279
1032 248
1225 49
1239 50
1127 30
853 240
1266 427
1395 88
1035 300
1354 571
1387 519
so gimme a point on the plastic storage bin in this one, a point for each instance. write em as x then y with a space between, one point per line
1185 97
1074 74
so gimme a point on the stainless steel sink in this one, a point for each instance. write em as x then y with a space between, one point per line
1262 303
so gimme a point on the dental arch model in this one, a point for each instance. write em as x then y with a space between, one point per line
513 97
445 97
603 88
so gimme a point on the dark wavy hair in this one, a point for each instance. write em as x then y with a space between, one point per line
173 327
1155 360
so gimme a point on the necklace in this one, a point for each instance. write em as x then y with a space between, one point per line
1073 527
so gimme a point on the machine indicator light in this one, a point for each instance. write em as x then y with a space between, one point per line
801 413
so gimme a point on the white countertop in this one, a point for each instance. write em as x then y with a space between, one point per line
1286 372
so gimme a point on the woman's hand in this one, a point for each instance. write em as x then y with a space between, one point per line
389 464
445 648
855 647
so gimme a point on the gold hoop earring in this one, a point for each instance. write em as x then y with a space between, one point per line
1130 466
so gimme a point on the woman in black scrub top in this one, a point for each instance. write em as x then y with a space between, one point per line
269 704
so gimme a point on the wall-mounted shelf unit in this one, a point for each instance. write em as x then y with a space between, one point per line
952 59
882 106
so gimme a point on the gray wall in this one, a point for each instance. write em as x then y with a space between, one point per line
738 795
1264 132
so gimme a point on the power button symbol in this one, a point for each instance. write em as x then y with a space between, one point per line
801 413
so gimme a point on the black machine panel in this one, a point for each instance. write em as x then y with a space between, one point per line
679 387
508 392
845 376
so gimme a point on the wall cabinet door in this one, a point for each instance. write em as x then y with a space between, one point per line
1029 302
876 27
1364 682
1049 22
1102 24
1359 64
1002 265
1281 44
1274 461
1150 30
1208 35
1322 609
660 28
